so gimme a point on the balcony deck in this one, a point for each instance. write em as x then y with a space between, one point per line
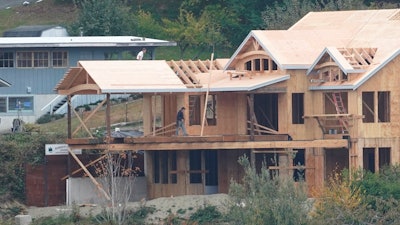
216 142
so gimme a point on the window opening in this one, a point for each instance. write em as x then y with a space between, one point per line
211 164
369 159
274 65
194 110
368 107
297 108
211 112
384 157
257 66
195 166
266 64
156 163
248 65
383 106
299 160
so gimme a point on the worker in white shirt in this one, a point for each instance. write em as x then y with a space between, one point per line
140 54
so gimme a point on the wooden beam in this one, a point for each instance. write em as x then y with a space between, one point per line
89 164
81 121
328 143
98 185
89 116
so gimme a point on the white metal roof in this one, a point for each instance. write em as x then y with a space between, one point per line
84 41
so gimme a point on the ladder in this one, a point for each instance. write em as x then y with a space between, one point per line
340 109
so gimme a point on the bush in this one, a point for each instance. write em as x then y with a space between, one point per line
46 118
206 215
264 199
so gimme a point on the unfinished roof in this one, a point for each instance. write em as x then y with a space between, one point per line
122 76
156 76
300 46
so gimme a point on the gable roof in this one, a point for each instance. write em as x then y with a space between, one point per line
319 33
151 76
120 76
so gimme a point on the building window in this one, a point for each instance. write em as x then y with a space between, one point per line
384 157
60 59
20 104
299 163
32 59
373 164
24 59
6 59
211 112
165 166
195 167
297 108
3 104
383 106
368 107
40 59
194 110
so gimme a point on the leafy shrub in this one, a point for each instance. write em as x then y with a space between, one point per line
46 118
206 215
263 199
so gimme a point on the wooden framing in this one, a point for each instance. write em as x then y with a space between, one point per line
254 116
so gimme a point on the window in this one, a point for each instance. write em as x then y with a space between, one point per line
261 65
384 157
60 59
195 167
370 161
194 110
3 104
299 161
368 107
297 108
165 167
6 59
32 59
211 112
24 59
40 59
20 104
383 106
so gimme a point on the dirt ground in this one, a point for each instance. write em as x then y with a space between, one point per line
182 206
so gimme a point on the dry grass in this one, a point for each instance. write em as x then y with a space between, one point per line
130 111
46 12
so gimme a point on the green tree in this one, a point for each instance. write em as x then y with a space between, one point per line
282 15
145 25
185 30
262 199
102 18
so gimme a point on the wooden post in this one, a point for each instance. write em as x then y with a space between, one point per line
108 118
251 109
69 126
98 185
208 90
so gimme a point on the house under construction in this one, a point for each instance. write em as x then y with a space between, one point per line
319 97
